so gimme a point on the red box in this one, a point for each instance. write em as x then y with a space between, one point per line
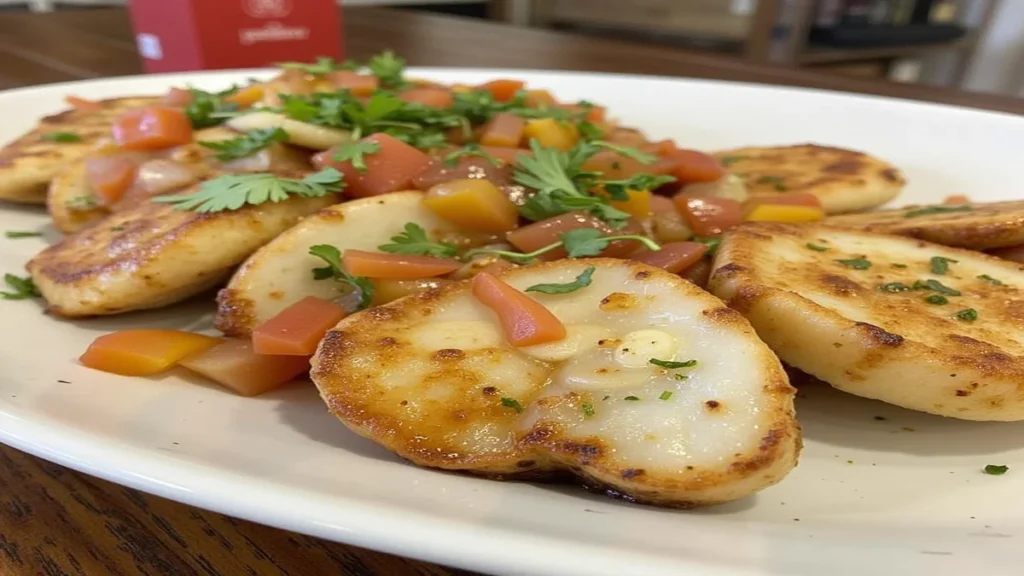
174 35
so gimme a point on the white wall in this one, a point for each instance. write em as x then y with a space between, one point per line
999 60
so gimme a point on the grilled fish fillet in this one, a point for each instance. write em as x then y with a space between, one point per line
151 255
975 226
908 322
844 180
29 163
280 273
431 378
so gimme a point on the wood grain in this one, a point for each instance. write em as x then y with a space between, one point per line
57 522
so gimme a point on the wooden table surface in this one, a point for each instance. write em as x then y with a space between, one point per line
55 521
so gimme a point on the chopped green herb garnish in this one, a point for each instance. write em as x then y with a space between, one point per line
22 288
233 191
940 264
323 66
990 280
816 247
80 203
21 234
355 152
512 403
937 210
898 265
118 228
671 365
246 144
209 109
680 376
778 181
588 409
389 69
937 299
665 395
936 286
712 242
414 241
856 263
578 243
62 137
471 149
581 281
606 397
336 271
894 287
967 315
632 398
996 470
730 160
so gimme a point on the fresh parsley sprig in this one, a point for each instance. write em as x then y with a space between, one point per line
336 271
323 66
355 152
234 191
21 288
389 69
209 108
581 281
414 241
578 243
246 144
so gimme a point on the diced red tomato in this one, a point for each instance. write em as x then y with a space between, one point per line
178 97
674 257
298 329
504 130
396 266
709 216
594 113
83 105
1012 253
235 365
143 352
507 155
540 234
524 321
152 128
615 166
390 169
110 177
694 166
358 84
956 199
439 172
503 90
433 96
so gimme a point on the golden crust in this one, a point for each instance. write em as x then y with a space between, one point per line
151 255
835 322
29 163
844 180
447 399
984 226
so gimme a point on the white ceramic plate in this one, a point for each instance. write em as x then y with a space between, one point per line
879 490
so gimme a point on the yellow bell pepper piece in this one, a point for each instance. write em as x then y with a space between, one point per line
551 133
474 204
246 97
784 213
144 352
638 205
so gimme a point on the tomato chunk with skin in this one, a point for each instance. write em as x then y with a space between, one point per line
709 216
143 352
673 257
504 129
439 172
110 177
615 166
298 329
390 169
545 232
358 84
695 166
433 96
503 90
235 365
152 128
396 266
524 321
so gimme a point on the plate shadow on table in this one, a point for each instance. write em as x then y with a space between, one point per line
833 417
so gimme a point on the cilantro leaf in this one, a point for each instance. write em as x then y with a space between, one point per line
966 315
581 281
617 188
671 365
856 263
336 271
324 65
355 153
246 144
995 470
23 288
234 191
936 286
627 151
990 280
61 137
414 241
512 403
208 109
584 242
937 299
389 69
468 150
940 265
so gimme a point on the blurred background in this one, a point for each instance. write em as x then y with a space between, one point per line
975 45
